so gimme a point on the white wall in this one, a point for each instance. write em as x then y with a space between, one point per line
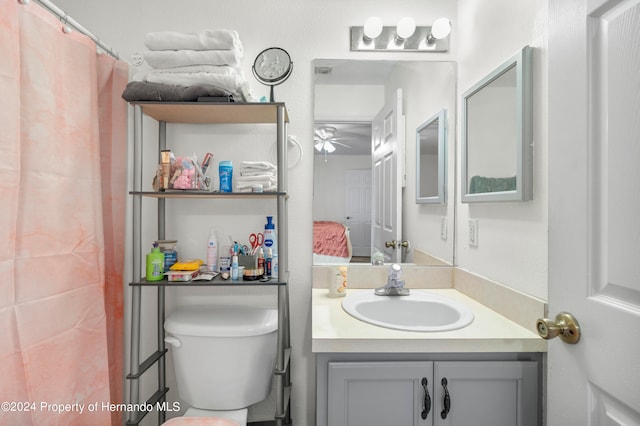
307 30
512 236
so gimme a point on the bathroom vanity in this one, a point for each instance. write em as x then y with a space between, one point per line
487 373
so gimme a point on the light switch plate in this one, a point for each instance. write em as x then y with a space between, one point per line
473 232
443 227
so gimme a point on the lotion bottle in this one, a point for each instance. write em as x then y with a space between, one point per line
212 251
270 238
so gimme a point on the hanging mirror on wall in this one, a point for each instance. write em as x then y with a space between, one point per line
497 134
348 94
431 160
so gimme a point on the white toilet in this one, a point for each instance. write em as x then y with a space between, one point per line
224 357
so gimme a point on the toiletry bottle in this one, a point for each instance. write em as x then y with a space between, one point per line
261 262
165 158
225 259
274 266
270 238
268 263
155 264
225 169
234 268
212 251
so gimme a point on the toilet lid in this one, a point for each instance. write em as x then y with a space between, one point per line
222 321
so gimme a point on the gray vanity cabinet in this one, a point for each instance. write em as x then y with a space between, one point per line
378 393
436 393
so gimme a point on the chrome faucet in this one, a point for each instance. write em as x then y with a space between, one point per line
394 286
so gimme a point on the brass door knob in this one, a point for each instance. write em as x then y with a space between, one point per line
565 326
391 244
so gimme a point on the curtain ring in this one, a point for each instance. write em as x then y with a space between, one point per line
65 24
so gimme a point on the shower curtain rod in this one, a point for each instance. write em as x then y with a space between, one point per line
67 20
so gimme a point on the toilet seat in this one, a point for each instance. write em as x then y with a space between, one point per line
238 416
199 421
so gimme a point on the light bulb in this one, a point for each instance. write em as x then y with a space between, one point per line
439 30
405 28
372 28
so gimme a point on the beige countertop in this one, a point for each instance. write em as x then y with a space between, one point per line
334 330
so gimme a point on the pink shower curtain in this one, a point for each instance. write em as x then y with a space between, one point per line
62 192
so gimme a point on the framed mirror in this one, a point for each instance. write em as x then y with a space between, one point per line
348 95
431 160
497 134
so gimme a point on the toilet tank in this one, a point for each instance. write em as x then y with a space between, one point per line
223 356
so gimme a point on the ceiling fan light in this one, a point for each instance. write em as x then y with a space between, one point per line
328 147
318 146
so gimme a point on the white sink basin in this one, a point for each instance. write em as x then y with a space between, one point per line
419 311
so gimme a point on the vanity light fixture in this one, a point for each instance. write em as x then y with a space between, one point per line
404 37
372 28
405 29
440 29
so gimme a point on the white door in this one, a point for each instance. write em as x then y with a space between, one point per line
387 133
594 210
358 210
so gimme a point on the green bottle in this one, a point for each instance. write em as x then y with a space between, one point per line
155 264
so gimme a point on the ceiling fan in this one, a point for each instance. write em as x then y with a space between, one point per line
325 139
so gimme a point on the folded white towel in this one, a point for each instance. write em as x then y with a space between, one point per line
260 165
202 40
247 187
256 172
229 82
261 178
214 69
182 58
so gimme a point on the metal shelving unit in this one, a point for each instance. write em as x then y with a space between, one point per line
205 113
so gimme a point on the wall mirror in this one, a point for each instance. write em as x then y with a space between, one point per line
497 134
348 95
431 160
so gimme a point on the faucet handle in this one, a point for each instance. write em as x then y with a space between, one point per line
395 272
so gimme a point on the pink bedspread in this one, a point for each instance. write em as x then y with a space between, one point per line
330 239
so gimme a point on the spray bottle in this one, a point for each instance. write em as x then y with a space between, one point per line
235 276
212 251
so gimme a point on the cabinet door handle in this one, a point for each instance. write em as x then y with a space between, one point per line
427 399
447 399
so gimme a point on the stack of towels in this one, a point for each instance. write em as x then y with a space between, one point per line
254 173
208 61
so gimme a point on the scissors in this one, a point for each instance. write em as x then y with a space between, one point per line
256 240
